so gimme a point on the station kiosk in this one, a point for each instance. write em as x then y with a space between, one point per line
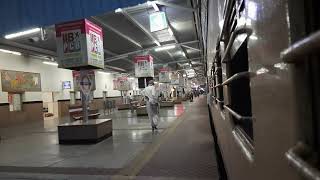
80 48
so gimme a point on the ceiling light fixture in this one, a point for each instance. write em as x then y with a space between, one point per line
170 31
165 48
22 33
102 72
157 42
119 10
154 5
10 52
50 63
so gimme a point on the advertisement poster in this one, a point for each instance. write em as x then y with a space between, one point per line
164 75
79 44
144 66
174 78
77 79
122 84
17 81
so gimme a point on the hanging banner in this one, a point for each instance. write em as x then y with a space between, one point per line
77 79
79 44
144 66
164 75
174 78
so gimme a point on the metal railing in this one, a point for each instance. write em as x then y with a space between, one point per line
298 50
239 76
234 35
244 143
237 115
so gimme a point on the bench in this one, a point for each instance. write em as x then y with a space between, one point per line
76 112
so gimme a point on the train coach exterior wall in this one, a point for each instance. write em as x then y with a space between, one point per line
272 95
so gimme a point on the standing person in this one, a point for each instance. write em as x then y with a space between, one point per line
152 103
130 102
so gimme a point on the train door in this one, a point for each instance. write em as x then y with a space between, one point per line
304 57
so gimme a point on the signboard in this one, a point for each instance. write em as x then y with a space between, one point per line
175 78
164 75
79 44
77 79
144 66
17 81
158 21
122 84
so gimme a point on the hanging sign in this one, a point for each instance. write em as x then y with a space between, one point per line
164 75
123 84
144 66
79 44
77 79
175 78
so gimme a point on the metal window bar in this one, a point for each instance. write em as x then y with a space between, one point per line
298 50
294 156
238 31
238 76
236 115
244 143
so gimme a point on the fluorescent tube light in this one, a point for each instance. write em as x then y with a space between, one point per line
170 31
22 33
165 48
118 10
50 63
157 42
10 52
102 72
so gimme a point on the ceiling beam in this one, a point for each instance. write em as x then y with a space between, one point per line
184 8
117 32
27 48
115 54
181 61
114 68
189 47
140 26
121 56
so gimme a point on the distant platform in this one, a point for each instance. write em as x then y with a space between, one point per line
80 132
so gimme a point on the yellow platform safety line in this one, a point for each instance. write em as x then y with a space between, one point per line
136 165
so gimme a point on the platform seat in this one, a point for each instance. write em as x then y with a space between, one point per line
166 104
123 106
142 111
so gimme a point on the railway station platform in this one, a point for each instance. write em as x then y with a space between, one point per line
182 148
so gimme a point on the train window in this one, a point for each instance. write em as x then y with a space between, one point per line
239 90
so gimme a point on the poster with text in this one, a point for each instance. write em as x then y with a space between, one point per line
144 66
79 44
77 78
164 75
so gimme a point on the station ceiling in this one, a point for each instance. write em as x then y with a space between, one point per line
126 34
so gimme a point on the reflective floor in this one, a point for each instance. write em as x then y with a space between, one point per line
36 144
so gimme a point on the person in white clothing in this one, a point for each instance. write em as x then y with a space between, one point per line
151 97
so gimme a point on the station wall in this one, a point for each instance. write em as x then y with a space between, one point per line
51 78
